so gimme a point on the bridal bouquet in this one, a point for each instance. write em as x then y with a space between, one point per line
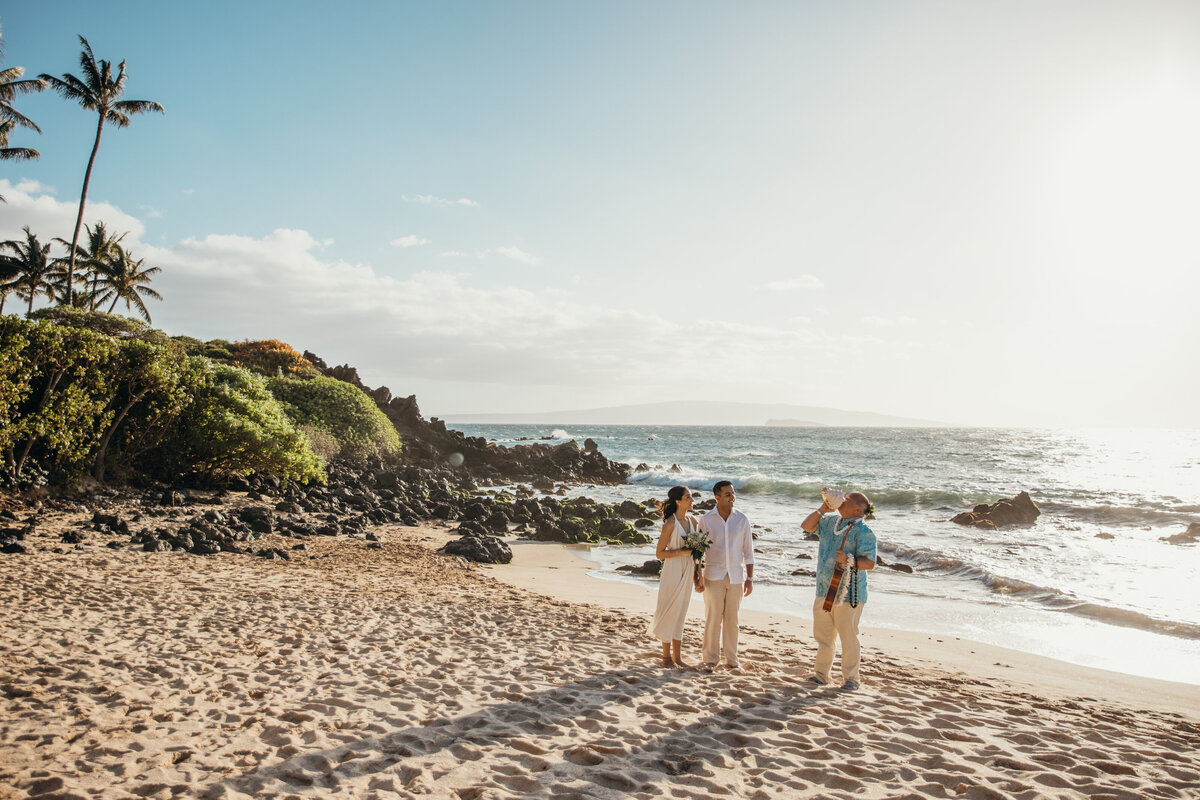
698 543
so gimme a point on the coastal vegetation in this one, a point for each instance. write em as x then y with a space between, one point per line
83 392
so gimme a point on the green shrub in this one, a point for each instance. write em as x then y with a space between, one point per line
341 410
113 325
55 394
153 385
236 425
321 441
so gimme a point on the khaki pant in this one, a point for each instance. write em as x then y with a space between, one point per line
722 600
839 623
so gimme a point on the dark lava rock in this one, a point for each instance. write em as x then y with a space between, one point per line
273 553
1019 510
1105 536
111 522
13 547
260 518
156 546
620 531
72 537
374 546
803 555
652 567
171 498
288 507
543 484
483 549
905 568
205 548
115 545
630 510
301 546
497 522
642 468
643 523
807 573
590 446
1190 536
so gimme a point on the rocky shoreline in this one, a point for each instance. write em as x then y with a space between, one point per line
231 518
440 475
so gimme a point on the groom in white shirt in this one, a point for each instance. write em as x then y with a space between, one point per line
728 576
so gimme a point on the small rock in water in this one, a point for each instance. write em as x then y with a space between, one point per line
1190 536
1105 536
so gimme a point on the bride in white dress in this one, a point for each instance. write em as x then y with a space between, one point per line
675 583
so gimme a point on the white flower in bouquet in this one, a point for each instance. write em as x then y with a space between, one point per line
698 543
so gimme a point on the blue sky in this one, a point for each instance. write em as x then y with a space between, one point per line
974 212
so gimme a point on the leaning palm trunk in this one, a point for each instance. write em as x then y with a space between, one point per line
87 177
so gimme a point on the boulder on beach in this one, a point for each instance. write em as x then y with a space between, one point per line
652 567
482 549
1019 510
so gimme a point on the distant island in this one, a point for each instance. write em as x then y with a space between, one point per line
699 412
794 423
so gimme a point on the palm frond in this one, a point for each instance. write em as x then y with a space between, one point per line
70 88
138 106
18 154
10 114
87 63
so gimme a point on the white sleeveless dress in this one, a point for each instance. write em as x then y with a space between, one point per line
674 588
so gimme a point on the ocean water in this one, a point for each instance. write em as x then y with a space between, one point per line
1090 582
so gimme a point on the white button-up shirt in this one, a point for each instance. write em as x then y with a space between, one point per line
732 546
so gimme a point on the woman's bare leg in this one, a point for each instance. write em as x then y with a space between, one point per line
666 660
677 658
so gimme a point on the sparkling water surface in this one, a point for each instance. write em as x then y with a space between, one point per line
1090 582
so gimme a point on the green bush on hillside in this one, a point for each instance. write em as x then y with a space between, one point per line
54 396
113 325
236 425
340 409
79 393
152 387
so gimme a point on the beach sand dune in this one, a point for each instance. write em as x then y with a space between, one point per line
356 672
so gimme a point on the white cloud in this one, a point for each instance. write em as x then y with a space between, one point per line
412 240
432 200
431 332
799 282
514 254
452 254
151 211
30 203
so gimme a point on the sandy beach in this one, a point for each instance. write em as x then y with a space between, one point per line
348 671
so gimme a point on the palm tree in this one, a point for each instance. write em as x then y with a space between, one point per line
98 91
100 250
11 85
124 279
31 263
8 274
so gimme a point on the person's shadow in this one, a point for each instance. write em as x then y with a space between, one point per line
578 712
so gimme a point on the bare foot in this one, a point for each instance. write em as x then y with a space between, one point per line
666 662
680 664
